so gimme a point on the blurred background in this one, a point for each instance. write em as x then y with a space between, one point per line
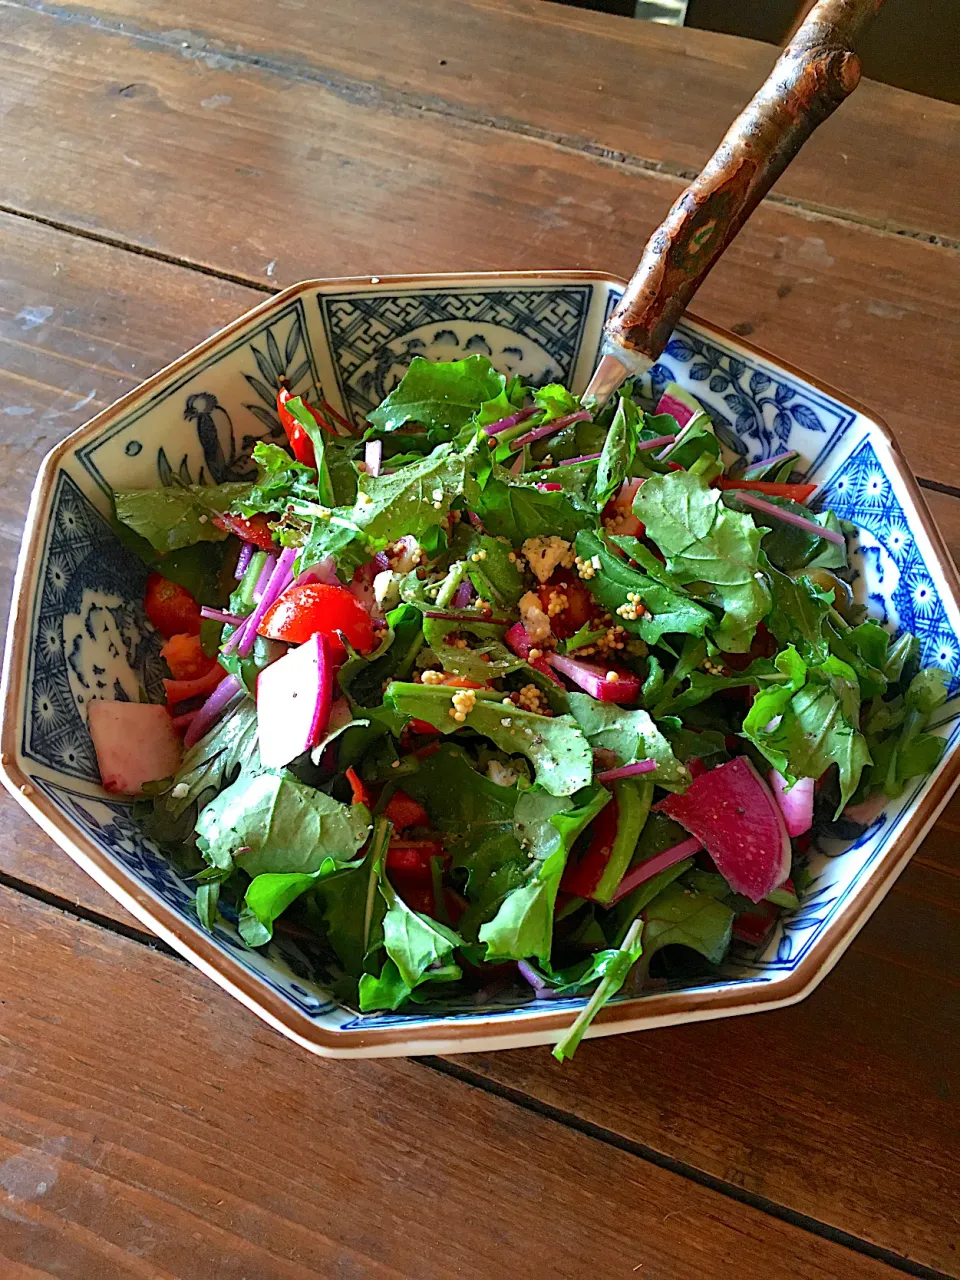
914 44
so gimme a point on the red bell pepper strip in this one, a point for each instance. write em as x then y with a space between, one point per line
300 442
581 877
360 793
410 859
255 529
403 811
798 492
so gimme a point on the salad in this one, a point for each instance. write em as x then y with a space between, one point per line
501 695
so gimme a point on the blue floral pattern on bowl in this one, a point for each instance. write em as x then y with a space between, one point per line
81 632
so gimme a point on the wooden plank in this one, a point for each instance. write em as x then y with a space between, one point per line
318 183
813 1050
651 95
208 1146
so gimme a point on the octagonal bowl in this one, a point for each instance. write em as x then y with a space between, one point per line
78 630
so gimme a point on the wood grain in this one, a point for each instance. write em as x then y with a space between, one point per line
647 95
209 1147
319 183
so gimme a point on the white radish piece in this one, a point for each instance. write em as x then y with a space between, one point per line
135 743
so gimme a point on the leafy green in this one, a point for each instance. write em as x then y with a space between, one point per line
279 477
362 678
790 548
682 915
619 450
517 511
615 965
212 762
819 725
352 907
269 895
179 515
272 822
799 611
667 610
555 401
706 542
415 944
549 825
494 575
899 746
410 500
631 736
441 395
554 745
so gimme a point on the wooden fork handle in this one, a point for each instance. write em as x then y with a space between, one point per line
813 75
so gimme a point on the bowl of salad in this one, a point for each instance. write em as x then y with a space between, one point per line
426 710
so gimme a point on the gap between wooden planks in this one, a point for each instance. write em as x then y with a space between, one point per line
854 1072
204 1145
138 143
648 96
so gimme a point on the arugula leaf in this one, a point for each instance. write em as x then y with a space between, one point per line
705 541
696 439
270 894
272 822
279 477
494 575
555 401
799 612
517 511
668 611
177 516
212 762
411 500
630 735
865 649
619 450
481 661
554 745
616 967
413 941
900 748
819 726
682 915
523 925
773 693
444 395
790 548
362 679
198 568
353 909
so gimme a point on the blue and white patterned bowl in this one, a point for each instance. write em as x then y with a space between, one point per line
78 629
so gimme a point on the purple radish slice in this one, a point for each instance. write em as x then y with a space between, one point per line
596 680
796 802
732 811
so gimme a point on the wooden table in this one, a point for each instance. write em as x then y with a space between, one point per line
161 168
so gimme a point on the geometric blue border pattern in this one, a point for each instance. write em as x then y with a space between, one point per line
82 553
373 338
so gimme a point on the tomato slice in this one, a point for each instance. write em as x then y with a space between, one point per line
302 612
255 529
798 492
403 811
170 607
185 657
579 603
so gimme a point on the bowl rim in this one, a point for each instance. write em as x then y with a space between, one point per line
462 1034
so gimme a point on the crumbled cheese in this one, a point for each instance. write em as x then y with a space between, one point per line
546 553
535 621
203 519
405 555
464 700
386 589
501 774
180 791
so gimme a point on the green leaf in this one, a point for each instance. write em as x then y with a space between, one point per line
696 439
787 676
413 941
554 745
928 690
410 501
178 515
619 450
517 511
362 678
555 401
272 822
615 970
484 658
269 895
668 611
548 825
799 612
819 727
631 736
792 549
212 762
682 915
388 991
706 542
279 477
443 395
494 575
353 907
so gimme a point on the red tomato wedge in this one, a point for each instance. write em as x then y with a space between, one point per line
304 611
403 811
798 492
255 529
170 607
185 657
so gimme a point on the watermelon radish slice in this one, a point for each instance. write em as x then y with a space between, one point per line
680 403
796 802
733 812
520 641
